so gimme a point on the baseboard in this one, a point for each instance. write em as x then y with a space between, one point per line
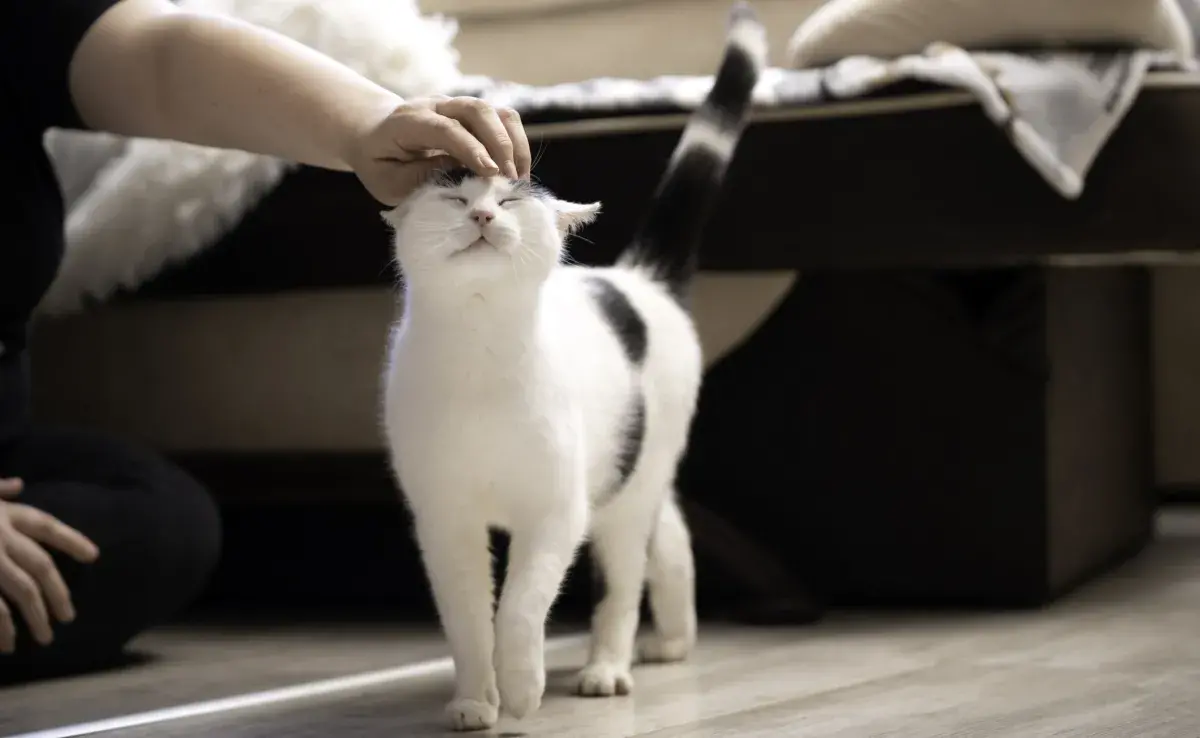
1179 494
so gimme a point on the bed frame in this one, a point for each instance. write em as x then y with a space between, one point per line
951 406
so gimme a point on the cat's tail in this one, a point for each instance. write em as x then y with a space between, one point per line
667 241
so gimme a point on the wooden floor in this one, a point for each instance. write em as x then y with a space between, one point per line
1121 659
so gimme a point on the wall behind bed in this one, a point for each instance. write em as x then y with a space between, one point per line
571 40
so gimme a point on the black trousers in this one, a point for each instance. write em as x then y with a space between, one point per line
158 533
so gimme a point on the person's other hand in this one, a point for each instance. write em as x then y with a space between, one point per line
399 153
29 580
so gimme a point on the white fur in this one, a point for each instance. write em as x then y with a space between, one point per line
506 392
706 134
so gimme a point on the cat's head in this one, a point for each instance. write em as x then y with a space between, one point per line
460 230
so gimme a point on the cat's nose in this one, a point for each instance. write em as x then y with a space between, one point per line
482 217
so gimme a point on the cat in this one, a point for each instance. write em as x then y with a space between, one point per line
554 402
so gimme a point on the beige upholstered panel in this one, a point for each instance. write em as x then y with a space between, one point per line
288 372
300 371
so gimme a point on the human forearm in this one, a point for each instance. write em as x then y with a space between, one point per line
147 68
221 82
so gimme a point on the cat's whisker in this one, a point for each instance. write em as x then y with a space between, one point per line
537 157
539 258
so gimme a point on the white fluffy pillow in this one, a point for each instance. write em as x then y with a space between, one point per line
891 28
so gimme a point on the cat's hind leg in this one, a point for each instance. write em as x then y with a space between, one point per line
619 537
540 553
671 576
457 558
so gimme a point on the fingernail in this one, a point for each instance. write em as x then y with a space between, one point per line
510 170
69 614
487 163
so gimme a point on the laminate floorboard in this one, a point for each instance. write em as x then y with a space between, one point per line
1119 659
194 663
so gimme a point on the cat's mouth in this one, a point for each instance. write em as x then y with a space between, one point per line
479 244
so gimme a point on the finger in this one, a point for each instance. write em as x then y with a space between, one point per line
481 120
11 487
37 564
425 129
19 588
8 629
516 131
50 531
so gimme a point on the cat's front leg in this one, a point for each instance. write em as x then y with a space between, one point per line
455 550
540 553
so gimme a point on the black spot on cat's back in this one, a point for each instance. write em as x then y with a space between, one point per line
633 436
622 317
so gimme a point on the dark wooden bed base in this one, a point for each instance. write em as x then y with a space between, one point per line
939 413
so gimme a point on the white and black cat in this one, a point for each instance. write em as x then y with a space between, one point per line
554 402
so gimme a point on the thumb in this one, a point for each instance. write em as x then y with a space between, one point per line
10 487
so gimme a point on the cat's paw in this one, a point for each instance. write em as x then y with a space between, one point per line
468 714
655 649
520 664
603 680
521 688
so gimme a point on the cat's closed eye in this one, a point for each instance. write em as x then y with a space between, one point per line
510 200
455 199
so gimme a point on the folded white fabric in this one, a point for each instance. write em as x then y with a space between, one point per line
892 28
1058 103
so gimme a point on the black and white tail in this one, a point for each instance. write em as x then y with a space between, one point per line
668 239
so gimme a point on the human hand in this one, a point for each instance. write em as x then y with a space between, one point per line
28 577
400 152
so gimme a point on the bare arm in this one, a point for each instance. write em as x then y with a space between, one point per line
147 68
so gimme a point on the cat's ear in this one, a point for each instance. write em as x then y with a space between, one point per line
571 216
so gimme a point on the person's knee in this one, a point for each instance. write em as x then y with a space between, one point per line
174 525
186 527
180 521
159 541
